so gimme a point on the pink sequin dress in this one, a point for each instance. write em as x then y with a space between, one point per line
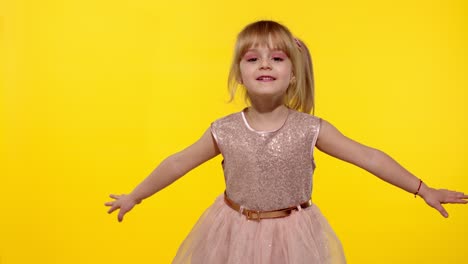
264 170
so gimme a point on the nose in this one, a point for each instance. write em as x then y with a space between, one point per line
265 65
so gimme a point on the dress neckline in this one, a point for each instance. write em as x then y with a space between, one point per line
246 123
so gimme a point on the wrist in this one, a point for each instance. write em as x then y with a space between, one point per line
134 198
423 190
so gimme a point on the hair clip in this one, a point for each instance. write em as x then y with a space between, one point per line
298 42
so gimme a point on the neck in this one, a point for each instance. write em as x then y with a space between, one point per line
267 106
266 117
266 111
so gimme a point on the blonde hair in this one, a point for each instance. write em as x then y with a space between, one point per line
300 93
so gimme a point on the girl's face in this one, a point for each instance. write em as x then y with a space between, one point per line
265 72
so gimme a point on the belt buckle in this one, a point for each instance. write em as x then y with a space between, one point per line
250 215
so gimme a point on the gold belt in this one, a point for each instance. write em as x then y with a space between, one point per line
258 215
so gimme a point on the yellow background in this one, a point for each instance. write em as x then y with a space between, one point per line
94 94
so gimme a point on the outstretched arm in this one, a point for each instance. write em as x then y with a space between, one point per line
171 169
332 142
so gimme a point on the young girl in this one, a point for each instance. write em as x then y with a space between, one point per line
266 214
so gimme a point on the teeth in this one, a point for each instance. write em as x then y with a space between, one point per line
266 78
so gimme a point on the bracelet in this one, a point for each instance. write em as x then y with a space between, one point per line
419 187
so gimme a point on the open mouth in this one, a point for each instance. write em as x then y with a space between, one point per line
266 78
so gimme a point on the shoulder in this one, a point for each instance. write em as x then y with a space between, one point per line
304 116
224 126
226 120
306 119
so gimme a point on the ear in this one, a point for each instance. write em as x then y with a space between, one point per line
293 78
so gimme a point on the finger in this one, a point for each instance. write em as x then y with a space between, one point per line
459 194
460 201
456 196
455 201
441 210
109 204
121 216
113 208
115 196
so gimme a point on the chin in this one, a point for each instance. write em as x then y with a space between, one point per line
266 94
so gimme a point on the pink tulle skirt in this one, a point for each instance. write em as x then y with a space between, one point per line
224 236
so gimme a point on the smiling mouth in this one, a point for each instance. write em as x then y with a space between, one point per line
265 78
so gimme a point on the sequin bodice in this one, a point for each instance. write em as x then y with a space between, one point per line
267 170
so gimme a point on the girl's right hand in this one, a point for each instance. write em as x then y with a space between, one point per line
124 202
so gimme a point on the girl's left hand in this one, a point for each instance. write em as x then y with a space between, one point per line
436 197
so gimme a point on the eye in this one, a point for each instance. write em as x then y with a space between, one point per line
278 59
251 59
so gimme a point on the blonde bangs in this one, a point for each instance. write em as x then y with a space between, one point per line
256 37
